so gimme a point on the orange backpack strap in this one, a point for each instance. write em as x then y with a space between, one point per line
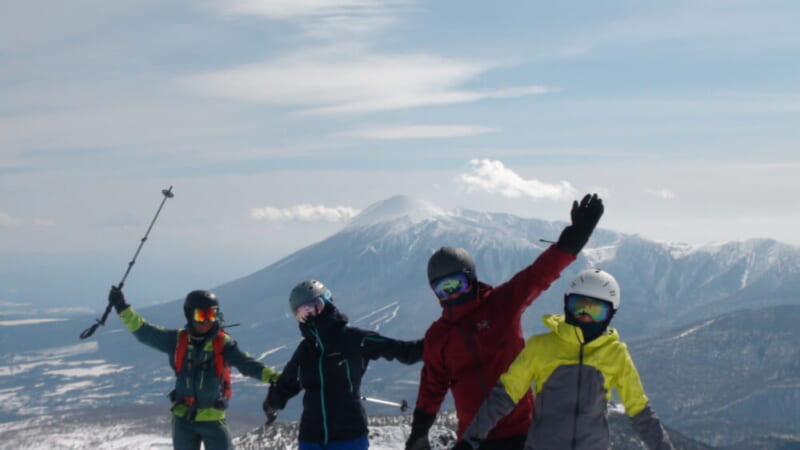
223 370
180 350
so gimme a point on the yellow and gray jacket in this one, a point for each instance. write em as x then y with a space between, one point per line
198 380
572 382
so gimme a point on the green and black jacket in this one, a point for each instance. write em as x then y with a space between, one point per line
198 379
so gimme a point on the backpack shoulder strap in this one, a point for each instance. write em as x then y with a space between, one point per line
180 350
223 370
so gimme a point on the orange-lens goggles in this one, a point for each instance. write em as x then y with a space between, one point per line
205 314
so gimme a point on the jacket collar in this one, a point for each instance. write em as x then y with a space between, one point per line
572 334
328 321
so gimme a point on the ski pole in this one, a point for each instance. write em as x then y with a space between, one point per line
100 322
402 405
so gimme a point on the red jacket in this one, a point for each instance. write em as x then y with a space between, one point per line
472 344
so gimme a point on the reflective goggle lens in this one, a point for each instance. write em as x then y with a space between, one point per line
205 314
308 309
450 285
598 310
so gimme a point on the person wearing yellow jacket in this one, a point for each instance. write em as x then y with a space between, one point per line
572 370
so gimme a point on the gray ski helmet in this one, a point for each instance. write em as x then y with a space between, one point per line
199 299
450 260
306 291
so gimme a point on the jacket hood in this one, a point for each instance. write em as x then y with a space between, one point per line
454 313
570 333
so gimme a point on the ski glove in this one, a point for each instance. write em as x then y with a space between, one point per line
418 440
271 412
584 219
117 299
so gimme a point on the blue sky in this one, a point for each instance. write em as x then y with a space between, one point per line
682 115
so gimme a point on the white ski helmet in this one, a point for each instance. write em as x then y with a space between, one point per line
597 284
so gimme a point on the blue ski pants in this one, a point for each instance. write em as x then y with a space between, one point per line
361 443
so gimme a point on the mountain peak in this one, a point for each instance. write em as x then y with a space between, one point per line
396 207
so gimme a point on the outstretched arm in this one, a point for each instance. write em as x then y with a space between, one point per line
246 364
376 346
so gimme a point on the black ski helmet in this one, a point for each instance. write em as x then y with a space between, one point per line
199 299
450 260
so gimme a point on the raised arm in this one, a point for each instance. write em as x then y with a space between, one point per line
153 336
523 288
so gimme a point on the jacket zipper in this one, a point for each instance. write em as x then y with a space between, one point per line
322 387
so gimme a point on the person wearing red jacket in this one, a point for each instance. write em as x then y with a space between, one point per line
480 332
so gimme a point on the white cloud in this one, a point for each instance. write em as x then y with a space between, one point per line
346 80
662 193
494 178
304 213
10 221
416 131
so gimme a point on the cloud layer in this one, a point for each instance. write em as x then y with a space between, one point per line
344 80
304 213
494 178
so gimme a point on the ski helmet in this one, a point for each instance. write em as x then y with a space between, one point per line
306 291
597 284
199 299
450 260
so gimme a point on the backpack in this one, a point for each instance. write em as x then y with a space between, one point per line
220 367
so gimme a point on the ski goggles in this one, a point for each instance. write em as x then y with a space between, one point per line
205 314
598 310
309 309
457 283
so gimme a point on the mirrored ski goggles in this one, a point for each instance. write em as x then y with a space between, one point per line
457 283
205 314
309 309
598 310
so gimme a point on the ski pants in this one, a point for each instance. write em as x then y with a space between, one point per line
361 443
187 435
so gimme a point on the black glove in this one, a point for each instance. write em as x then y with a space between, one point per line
584 218
117 299
271 412
462 445
418 440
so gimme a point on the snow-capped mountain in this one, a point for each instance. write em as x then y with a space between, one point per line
376 269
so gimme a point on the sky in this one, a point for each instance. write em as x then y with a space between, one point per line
276 121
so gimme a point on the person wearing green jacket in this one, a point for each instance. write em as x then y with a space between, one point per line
572 370
201 355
